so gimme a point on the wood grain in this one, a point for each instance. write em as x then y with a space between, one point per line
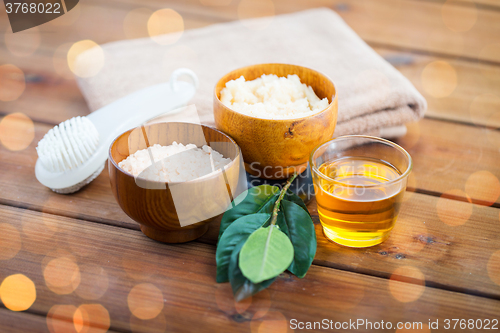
402 24
96 203
448 156
15 322
185 280
414 25
50 98
474 98
485 4
445 156
428 236
94 21
342 284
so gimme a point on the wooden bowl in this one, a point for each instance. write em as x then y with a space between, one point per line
274 149
174 212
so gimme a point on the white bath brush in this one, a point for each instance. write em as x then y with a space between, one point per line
73 153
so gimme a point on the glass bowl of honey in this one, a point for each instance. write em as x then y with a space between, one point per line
359 182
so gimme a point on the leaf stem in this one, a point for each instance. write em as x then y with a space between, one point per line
282 194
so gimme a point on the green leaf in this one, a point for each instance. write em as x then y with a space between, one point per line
290 196
267 253
237 231
242 287
258 199
298 226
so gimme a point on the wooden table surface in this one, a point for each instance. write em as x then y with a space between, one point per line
93 270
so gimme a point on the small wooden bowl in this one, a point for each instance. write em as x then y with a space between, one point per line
174 212
274 149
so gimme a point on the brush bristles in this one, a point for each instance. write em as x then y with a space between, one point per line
68 144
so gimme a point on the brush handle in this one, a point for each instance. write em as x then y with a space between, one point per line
137 108
110 121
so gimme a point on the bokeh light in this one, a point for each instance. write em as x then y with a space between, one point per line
407 284
156 325
145 301
60 61
165 21
88 64
483 108
57 252
38 232
17 292
94 282
23 43
91 318
439 79
69 18
273 322
261 303
215 3
425 329
135 23
483 186
493 123
459 15
490 52
453 212
62 275
60 319
494 267
10 241
225 300
264 9
348 295
12 83
17 131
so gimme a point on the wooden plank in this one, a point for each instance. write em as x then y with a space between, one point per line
94 21
450 156
412 25
50 98
449 241
15 322
445 156
485 4
472 96
427 236
465 156
47 97
119 267
419 25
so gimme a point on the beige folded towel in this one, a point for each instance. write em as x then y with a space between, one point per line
374 98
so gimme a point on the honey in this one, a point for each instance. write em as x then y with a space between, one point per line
358 200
